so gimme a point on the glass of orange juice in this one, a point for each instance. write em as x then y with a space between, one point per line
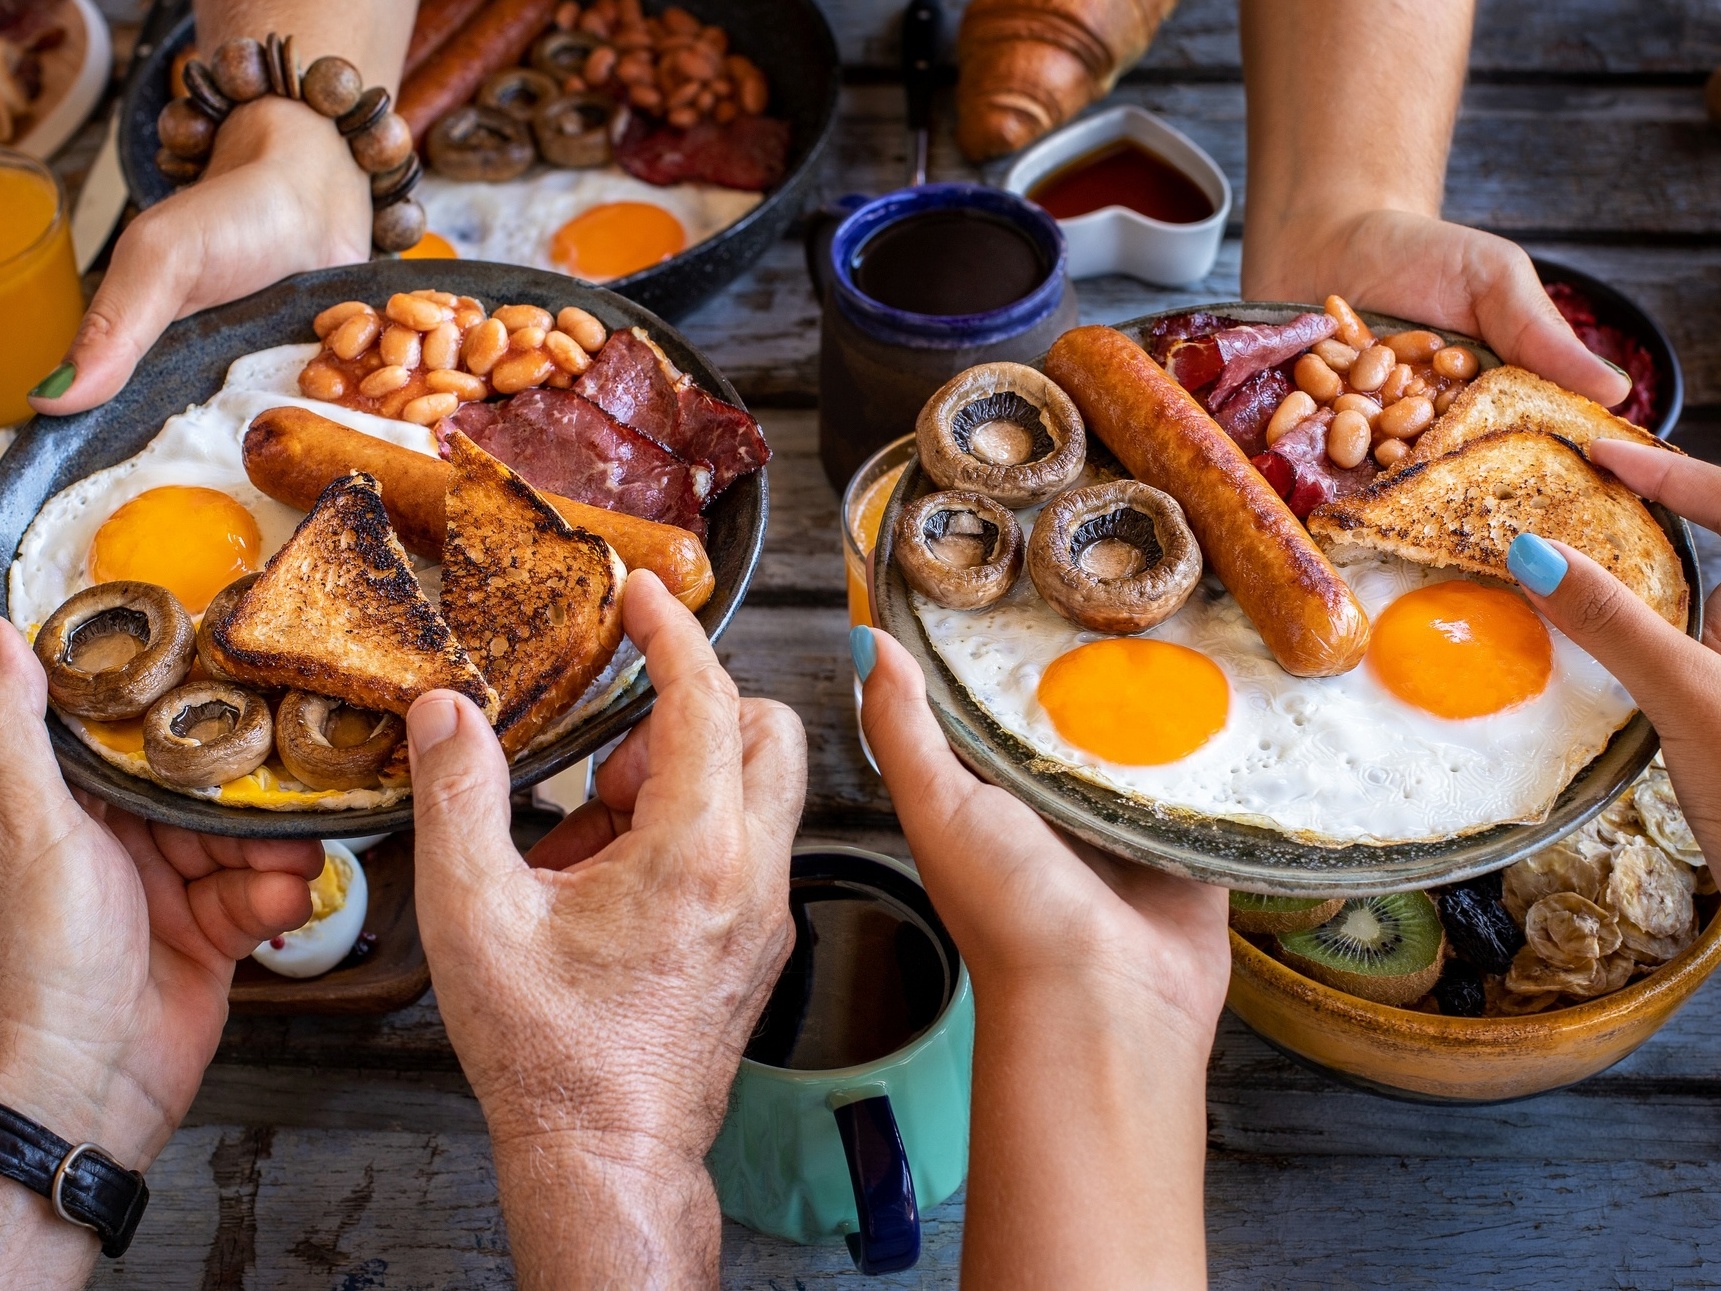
38 279
863 510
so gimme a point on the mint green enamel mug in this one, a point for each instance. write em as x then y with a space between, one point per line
850 1112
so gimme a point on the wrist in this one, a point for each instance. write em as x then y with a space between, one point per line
276 129
62 1088
37 1247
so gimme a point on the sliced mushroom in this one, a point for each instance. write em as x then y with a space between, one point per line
206 734
1115 557
214 615
1002 429
474 143
575 130
562 54
518 91
328 745
960 550
114 649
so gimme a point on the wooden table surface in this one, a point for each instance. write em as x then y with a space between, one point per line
350 1154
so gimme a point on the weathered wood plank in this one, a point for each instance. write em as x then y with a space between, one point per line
1576 36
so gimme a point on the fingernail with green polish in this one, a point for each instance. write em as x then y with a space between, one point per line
56 383
865 651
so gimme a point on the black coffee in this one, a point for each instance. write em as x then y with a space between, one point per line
949 262
866 977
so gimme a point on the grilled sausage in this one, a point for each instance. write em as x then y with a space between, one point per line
437 20
496 37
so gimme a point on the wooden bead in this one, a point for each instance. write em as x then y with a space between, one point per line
398 227
384 146
200 86
332 86
283 68
290 73
179 169
393 185
185 131
240 71
364 114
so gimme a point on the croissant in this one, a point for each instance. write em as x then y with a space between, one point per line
1025 66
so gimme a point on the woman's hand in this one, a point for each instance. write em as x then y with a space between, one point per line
1097 986
117 944
599 992
1676 681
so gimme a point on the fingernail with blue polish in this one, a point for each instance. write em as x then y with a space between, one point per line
1535 564
56 383
865 651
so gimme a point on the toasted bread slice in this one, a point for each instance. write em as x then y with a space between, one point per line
535 601
1464 509
338 612
1509 398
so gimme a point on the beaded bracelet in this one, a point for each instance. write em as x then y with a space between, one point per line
243 70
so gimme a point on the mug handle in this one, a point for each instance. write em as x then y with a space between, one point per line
888 1239
820 229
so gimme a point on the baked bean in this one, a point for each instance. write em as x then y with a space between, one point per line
1407 418
469 302
441 348
439 297
583 327
1317 379
401 345
752 92
1361 403
1413 347
706 101
647 98
1371 368
416 312
722 87
467 319
1396 383
521 371
635 68
1294 409
633 38
1389 452
319 381
698 63
1335 354
335 315
485 344
684 96
384 380
600 64
678 20
595 23
428 409
1455 362
566 353
514 317
462 385
716 38
1443 400
353 337
684 117
725 111
560 380
1417 386
1347 439
1352 330
527 338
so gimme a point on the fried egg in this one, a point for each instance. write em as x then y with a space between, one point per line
595 225
183 513
1469 711
340 898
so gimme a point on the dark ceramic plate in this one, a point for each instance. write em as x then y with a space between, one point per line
188 365
789 40
1225 852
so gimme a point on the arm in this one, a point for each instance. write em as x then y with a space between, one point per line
599 991
1351 109
281 195
1097 986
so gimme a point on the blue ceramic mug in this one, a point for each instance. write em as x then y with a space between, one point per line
879 364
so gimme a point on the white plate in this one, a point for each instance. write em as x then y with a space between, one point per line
73 78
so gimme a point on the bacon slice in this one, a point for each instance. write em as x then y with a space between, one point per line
1244 416
1298 467
1228 358
750 153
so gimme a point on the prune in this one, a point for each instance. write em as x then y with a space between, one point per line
1479 929
1459 991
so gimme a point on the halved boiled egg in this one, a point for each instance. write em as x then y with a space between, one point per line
191 540
1458 649
1135 702
340 899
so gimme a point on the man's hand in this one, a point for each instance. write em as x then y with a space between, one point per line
599 991
1675 680
117 943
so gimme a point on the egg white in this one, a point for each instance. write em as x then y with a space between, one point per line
1328 760
314 948
513 222
204 445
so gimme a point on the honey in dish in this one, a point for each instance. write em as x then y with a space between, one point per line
949 263
1122 173
38 281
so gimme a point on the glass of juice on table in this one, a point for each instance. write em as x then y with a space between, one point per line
863 510
38 279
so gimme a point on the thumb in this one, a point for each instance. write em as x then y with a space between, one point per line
460 804
38 805
1664 669
1523 326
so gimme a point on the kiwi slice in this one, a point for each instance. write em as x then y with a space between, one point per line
1254 913
1386 949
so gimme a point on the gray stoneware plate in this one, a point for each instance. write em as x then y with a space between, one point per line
188 365
1228 853
790 40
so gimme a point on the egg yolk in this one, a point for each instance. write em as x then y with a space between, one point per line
615 239
1458 649
125 736
1135 702
192 541
432 246
328 889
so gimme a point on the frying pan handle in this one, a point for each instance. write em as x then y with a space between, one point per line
821 229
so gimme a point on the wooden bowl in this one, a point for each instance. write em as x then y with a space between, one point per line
1429 1058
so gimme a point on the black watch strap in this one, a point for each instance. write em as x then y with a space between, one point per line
86 1186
